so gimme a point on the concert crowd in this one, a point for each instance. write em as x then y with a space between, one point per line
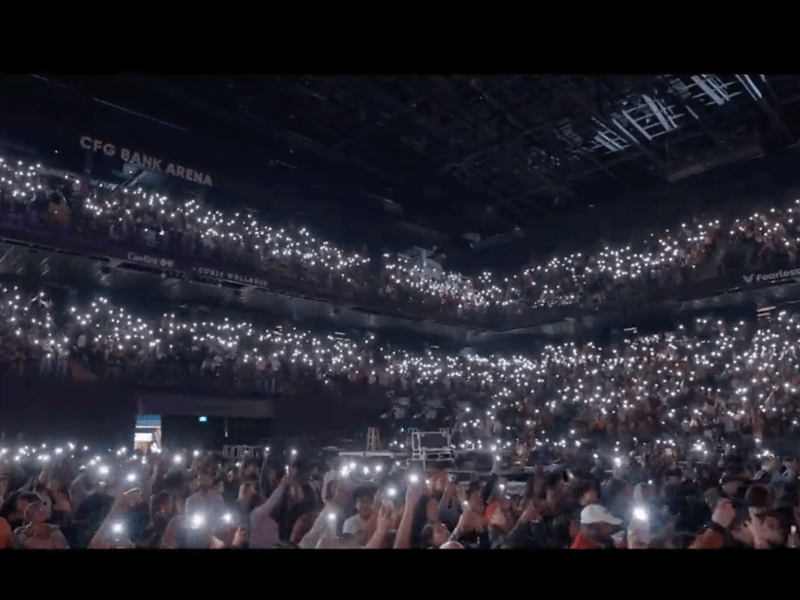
639 496
695 251
704 377
672 440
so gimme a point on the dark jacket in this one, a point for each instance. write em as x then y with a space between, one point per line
528 536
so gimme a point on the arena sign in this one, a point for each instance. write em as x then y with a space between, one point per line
146 161
767 277
229 277
152 261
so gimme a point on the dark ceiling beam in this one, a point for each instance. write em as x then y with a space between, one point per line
773 113
547 129
576 177
577 95
551 133
345 139
401 107
486 145
445 95
548 181
260 125
662 85
423 123
365 131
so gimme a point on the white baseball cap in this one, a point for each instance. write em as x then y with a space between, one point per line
594 513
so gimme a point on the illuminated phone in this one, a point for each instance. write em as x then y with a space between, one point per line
118 528
390 496
197 521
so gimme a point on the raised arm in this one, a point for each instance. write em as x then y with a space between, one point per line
378 539
103 540
276 497
403 539
321 525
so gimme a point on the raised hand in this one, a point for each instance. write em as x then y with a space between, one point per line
724 513
413 494
530 514
385 518
239 538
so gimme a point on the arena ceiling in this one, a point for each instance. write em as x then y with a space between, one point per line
495 156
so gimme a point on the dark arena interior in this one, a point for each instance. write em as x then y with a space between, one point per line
440 311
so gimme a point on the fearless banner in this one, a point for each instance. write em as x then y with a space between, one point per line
770 277
145 161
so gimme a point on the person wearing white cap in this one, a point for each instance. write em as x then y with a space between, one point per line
597 526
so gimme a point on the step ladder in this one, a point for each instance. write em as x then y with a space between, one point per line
373 439
422 452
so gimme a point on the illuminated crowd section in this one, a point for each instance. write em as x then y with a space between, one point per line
694 251
714 374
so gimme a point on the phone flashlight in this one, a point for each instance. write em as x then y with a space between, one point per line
294 452
103 470
640 514
332 517
117 529
618 462
379 468
131 477
178 460
391 492
198 521
413 478
227 518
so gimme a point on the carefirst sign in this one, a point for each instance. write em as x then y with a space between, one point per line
152 261
145 161
776 276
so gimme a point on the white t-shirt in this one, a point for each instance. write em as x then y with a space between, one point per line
354 525
209 504
264 532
